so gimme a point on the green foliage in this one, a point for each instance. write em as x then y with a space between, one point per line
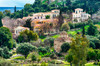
49 41
1 52
1 15
95 40
65 47
93 54
92 30
26 36
6 39
44 51
25 49
69 58
4 62
43 64
33 58
19 58
4 52
92 45
28 24
48 17
78 50
65 27
7 13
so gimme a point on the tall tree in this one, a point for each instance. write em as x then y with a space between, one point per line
15 9
1 15
60 19
22 14
83 31
79 47
28 24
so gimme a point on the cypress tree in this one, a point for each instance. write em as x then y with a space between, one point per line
15 9
1 15
83 32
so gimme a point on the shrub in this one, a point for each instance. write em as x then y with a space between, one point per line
44 52
33 55
33 58
6 53
65 27
4 62
49 41
1 52
92 30
92 45
26 36
65 47
25 49
98 37
99 63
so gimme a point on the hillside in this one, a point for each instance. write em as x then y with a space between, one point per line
89 6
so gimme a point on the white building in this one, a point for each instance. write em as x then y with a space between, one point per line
20 29
42 15
79 15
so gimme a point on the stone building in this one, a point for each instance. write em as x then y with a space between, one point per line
59 41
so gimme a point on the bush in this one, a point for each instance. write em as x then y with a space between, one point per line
65 47
44 51
98 37
92 30
6 53
99 63
26 36
33 58
92 45
4 62
1 52
33 55
65 27
49 41
25 49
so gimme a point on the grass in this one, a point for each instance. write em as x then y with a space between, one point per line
55 36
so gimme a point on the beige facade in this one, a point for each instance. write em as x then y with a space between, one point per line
19 29
79 15
42 15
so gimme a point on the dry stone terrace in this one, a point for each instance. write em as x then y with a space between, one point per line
59 41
